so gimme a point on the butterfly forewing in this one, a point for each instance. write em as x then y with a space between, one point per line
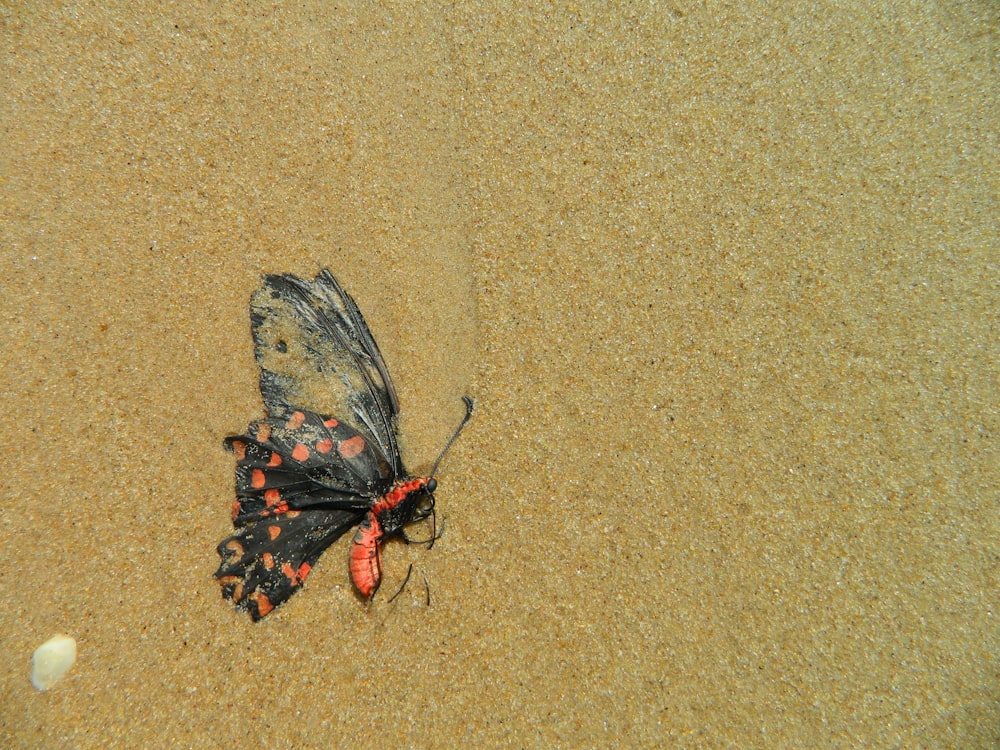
316 352
302 461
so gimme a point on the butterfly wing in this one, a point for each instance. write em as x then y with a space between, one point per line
315 352
302 461
265 562
303 479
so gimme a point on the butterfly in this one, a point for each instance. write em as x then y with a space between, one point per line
308 473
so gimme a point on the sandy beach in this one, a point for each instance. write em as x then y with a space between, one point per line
722 281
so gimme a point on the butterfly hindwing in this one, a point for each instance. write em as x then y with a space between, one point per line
265 562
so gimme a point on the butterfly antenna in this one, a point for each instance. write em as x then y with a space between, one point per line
427 586
455 434
402 585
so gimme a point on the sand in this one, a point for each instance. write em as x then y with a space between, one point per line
723 284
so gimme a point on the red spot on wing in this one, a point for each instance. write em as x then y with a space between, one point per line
274 532
268 559
324 446
263 603
272 498
275 460
330 423
257 479
351 447
295 576
264 432
296 420
300 453
239 449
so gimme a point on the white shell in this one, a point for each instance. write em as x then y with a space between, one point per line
52 660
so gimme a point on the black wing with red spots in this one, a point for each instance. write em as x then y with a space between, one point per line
301 461
315 352
302 480
264 563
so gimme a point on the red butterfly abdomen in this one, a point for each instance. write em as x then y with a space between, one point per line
366 569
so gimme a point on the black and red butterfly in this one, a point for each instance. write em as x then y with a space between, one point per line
304 478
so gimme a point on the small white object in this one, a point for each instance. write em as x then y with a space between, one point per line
52 660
